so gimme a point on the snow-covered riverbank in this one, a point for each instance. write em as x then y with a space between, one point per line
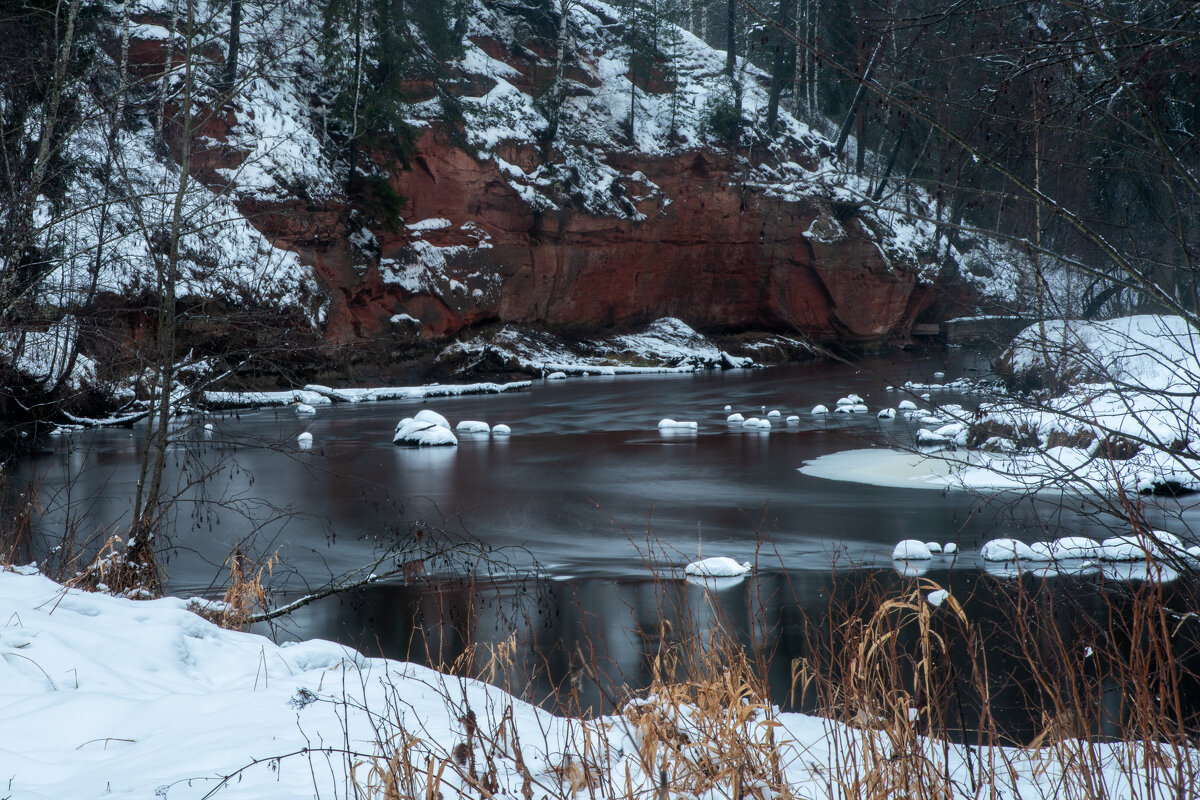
108 697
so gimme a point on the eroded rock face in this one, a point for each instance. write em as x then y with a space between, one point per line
720 256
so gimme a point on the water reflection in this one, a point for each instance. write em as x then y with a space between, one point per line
586 645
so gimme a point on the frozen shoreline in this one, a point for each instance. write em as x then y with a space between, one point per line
102 696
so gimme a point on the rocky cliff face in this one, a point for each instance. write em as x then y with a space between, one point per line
709 249
518 213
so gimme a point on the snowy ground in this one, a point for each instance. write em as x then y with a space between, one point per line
667 345
114 698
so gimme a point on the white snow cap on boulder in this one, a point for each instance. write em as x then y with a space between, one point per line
1135 546
670 424
472 426
817 410
911 550
501 430
423 433
718 567
1007 550
425 415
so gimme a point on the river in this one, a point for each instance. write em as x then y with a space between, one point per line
572 517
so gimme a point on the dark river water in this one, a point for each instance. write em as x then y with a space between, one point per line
571 518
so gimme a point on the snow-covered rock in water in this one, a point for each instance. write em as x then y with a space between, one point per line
926 397
887 413
818 410
556 376
928 437
718 567
728 408
844 410
773 413
854 399
934 548
422 433
472 426
501 430
938 376
889 388
403 422
754 423
858 408
425 415
735 417
937 597
1194 551
907 405
845 401
949 549
1074 547
911 550
1132 546
792 420
673 425
1042 551
304 440
304 408
1007 550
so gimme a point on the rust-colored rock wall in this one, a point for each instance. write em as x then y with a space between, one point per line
718 255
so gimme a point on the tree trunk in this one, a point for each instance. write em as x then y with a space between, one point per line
229 77
844 133
730 37
784 56
142 549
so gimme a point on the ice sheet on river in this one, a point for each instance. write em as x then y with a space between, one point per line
315 394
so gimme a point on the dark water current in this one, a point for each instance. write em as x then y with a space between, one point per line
584 505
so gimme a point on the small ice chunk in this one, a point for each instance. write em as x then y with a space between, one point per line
907 405
934 547
501 430
425 415
304 440
792 420
949 549
735 417
670 424
937 597
911 550
1006 550
886 413
305 408
556 376
718 567
472 426
817 410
